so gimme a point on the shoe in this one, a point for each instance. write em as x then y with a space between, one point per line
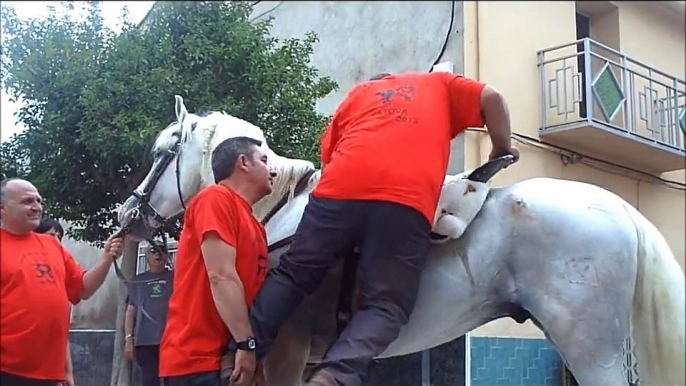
321 378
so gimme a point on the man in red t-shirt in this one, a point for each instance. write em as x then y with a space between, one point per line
220 264
38 279
385 156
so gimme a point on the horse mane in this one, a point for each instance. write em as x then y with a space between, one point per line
212 128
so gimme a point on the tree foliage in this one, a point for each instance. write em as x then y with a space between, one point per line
95 99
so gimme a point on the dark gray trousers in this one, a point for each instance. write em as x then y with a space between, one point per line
393 240
205 378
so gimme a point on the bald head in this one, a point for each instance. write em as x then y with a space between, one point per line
20 205
13 185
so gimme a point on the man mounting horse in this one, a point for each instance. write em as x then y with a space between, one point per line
382 202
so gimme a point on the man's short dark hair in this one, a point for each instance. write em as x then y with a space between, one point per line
158 247
225 155
50 223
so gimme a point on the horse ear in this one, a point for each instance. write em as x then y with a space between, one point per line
181 111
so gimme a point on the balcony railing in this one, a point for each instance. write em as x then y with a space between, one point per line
588 83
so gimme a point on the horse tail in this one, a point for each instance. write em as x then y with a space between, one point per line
658 308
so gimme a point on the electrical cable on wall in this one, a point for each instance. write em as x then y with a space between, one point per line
586 159
265 12
447 36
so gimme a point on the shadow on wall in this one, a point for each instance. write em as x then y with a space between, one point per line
100 311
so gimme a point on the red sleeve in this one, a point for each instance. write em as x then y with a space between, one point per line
216 212
73 275
465 97
328 143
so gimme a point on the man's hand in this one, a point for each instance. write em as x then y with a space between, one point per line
114 246
129 349
259 374
495 153
244 368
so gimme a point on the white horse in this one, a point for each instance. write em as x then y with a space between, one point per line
578 260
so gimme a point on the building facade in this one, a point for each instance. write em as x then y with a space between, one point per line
596 92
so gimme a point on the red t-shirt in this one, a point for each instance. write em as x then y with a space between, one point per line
195 336
38 279
390 139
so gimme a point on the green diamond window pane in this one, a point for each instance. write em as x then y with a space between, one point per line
682 121
608 92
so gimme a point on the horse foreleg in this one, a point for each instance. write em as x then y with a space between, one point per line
285 363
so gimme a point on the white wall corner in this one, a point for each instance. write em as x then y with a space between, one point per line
447 66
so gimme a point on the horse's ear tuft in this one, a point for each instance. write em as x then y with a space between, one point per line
180 108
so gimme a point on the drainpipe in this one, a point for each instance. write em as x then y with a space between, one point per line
478 41
481 139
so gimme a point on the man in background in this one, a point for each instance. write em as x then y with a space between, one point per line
52 227
146 314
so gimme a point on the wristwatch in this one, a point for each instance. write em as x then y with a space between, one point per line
249 344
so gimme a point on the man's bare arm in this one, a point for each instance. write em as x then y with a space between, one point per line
497 118
69 367
226 286
128 320
94 277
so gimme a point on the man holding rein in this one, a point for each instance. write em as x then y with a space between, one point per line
38 279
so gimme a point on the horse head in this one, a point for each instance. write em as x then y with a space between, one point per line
182 166
462 197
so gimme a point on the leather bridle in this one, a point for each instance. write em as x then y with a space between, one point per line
144 207
143 195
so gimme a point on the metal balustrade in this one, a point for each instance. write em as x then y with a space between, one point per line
588 83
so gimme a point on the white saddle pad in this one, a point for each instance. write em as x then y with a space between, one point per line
460 202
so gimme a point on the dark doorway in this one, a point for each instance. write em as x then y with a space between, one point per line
583 30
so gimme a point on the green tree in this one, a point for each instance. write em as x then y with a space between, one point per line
94 99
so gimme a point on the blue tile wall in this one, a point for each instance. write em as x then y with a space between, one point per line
512 361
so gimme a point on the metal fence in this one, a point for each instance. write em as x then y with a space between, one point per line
588 82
